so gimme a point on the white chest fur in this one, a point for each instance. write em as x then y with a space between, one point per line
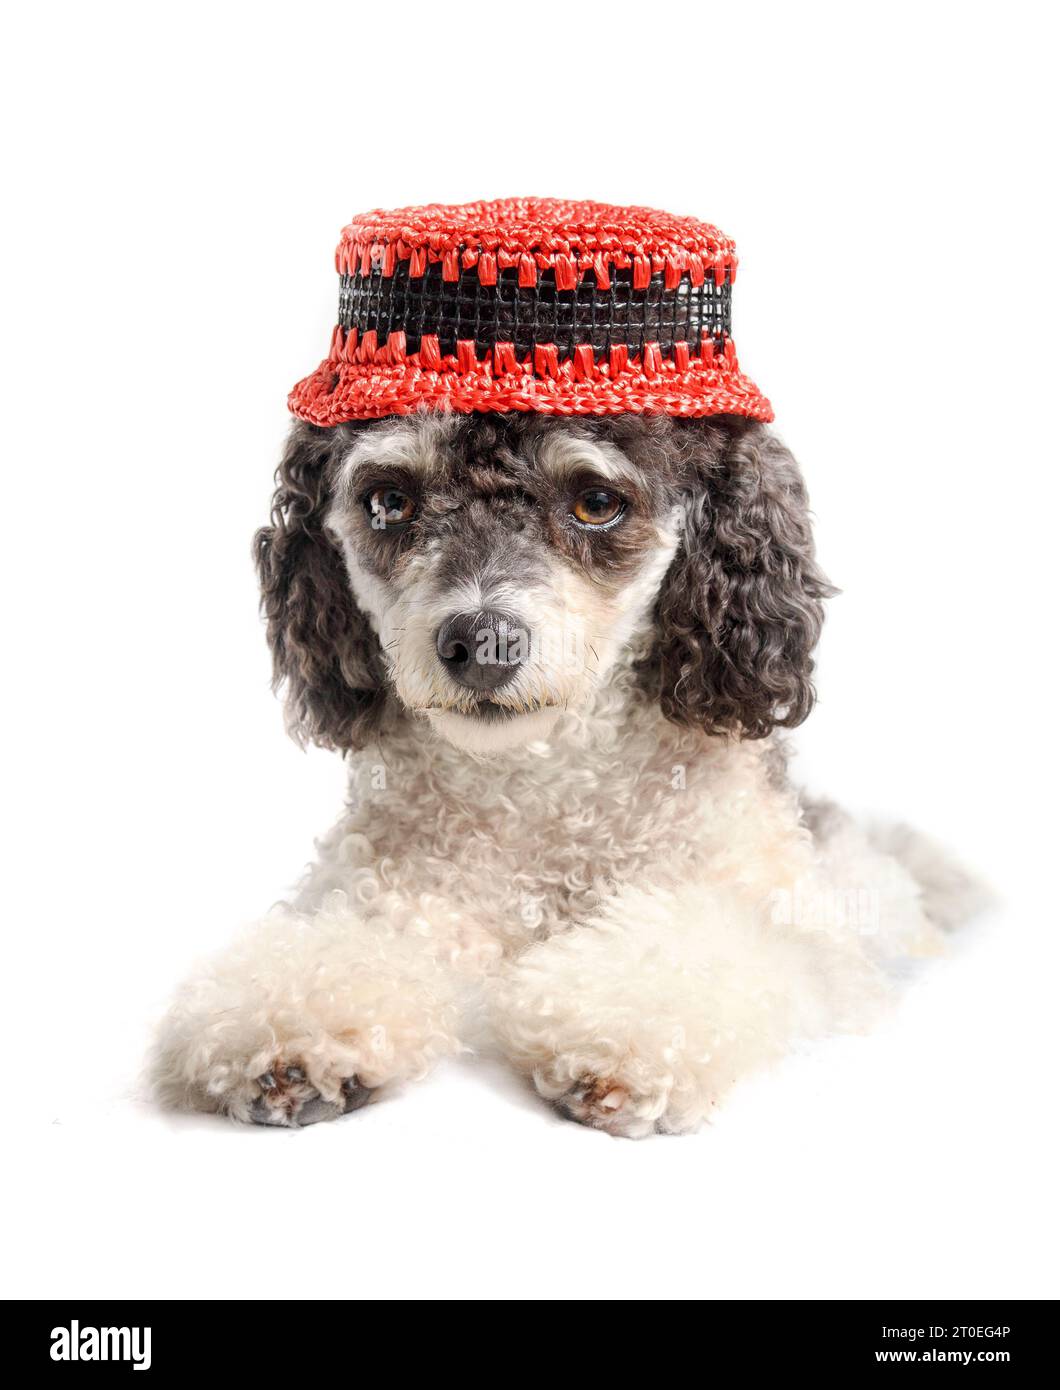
529 840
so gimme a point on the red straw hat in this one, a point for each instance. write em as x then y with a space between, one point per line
530 304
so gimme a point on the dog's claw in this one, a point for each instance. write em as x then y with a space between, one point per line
356 1094
295 1074
267 1081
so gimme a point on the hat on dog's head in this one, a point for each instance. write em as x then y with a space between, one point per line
531 304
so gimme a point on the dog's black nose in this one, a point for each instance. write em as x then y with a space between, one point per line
483 650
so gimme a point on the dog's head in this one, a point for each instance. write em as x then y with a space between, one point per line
492 571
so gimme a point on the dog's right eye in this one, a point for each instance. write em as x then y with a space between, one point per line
389 506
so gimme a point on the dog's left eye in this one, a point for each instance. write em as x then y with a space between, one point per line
389 506
596 506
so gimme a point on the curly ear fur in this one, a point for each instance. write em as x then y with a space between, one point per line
740 610
324 653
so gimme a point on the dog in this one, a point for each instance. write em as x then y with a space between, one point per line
558 655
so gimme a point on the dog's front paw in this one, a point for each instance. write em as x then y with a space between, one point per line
621 1105
288 1098
603 1103
625 1052
301 1018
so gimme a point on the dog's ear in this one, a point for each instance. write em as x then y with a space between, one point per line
325 655
740 610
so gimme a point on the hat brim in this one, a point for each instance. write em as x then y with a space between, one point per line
339 391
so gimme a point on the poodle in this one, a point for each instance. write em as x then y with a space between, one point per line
555 654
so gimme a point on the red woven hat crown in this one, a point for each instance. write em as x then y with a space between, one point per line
530 304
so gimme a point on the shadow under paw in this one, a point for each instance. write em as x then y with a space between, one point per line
289 1100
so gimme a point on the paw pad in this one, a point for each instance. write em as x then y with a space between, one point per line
288 1099
594 1101
601 1102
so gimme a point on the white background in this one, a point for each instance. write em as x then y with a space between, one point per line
176 177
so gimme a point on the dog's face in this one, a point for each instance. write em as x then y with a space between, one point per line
489 572
503 571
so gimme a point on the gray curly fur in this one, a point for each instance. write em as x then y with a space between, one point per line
737 616
741 609
324 654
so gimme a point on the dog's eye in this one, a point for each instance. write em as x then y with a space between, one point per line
597 507
389 506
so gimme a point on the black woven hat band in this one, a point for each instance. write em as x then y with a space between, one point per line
532 316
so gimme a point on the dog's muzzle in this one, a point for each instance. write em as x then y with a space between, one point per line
483 651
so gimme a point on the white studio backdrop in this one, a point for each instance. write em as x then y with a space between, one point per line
176 180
